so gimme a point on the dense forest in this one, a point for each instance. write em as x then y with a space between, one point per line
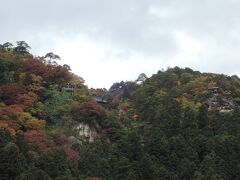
177 124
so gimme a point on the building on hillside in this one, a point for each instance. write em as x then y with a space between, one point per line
226 109
219 103
215 90
68 88
100 99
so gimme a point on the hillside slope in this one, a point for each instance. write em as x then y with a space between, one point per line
177 124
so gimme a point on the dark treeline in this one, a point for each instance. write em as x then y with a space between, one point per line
177 124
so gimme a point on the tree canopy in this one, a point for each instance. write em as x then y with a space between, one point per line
176 124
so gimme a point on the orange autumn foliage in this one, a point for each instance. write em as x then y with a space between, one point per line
9 93
27 100
38 138
73 155
13 119
34 136
35 124
4 125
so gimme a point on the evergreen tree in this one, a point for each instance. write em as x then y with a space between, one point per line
202 117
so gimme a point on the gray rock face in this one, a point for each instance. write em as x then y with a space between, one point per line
86 133
218 101
73 140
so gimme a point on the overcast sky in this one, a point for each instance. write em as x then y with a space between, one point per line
106 41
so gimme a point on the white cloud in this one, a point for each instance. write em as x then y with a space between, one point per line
100 64
109 40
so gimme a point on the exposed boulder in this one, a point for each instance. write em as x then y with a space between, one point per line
73 140
86 133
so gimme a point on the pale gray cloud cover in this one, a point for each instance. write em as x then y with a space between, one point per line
105 41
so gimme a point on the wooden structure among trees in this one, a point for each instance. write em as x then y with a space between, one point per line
99 99
68 88
218 102
215 90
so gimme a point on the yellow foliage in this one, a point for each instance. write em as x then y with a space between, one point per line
162 93
21 76
36 78
212 84
28 99
76 80
4 125
35 124
25 119
34 87
186 103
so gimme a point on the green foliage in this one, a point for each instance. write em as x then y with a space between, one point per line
21 48
98 153
8 71
34 174
12 161
57 108
5 137
161 128
54 162
202 117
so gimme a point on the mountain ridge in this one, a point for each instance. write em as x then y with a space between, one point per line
176 124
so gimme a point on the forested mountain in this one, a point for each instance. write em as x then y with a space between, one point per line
177 124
